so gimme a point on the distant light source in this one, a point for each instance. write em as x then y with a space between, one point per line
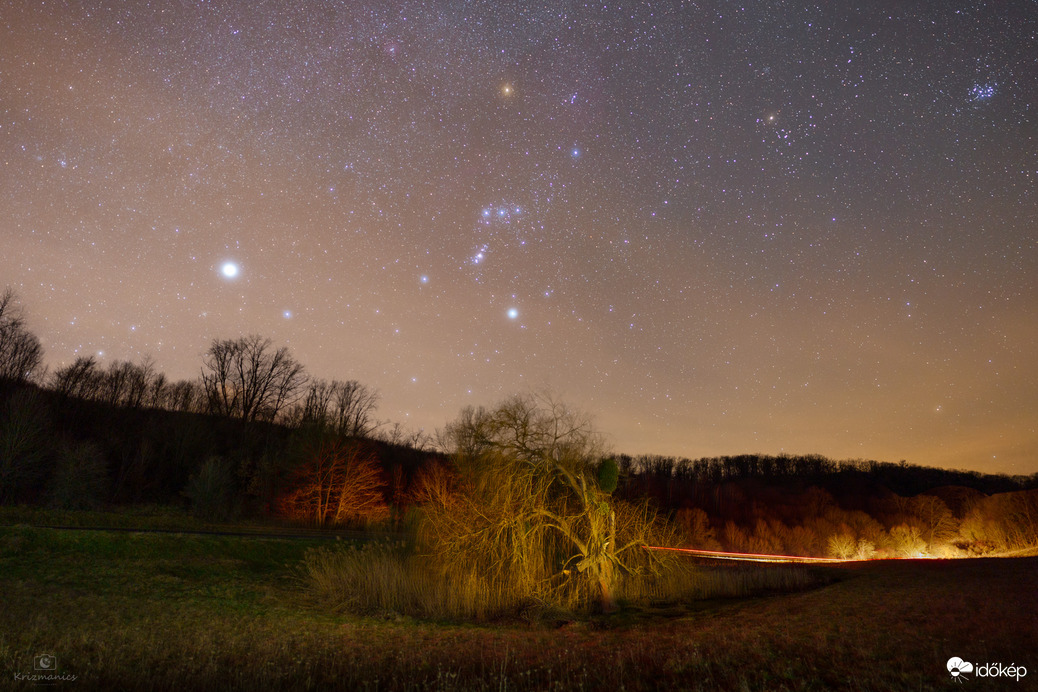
229 270
513 313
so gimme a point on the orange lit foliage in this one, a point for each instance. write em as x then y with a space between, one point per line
1002 523
337 482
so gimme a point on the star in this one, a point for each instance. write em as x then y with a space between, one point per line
982 92
759 214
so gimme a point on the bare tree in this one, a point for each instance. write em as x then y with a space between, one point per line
344 408
696 529
114 383
20 351
184 396
158 391
532 495
336 482
122 383
78 379
139 380
404 436
936 522
248 378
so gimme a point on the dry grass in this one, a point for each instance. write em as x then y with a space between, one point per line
387 579
162 612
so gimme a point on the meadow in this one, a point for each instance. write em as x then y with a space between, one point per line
165 611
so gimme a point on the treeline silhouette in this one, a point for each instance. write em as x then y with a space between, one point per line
74 453
814 506
254 435
240 439
671 480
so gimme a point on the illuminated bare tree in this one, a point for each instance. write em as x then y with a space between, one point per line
936 523
248 378
696 529
1003 522
906 541
20 351
533 511
336 482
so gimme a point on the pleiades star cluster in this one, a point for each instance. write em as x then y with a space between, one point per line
717 227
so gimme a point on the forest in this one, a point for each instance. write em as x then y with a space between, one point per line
254 437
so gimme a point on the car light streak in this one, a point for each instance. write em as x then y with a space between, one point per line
747 557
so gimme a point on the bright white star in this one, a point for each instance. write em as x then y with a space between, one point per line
229 270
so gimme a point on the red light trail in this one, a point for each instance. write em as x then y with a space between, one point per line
747 557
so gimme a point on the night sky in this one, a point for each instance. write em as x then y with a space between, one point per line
717 227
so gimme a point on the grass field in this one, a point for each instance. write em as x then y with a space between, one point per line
179 612
153 517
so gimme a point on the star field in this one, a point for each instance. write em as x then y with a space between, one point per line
719 228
